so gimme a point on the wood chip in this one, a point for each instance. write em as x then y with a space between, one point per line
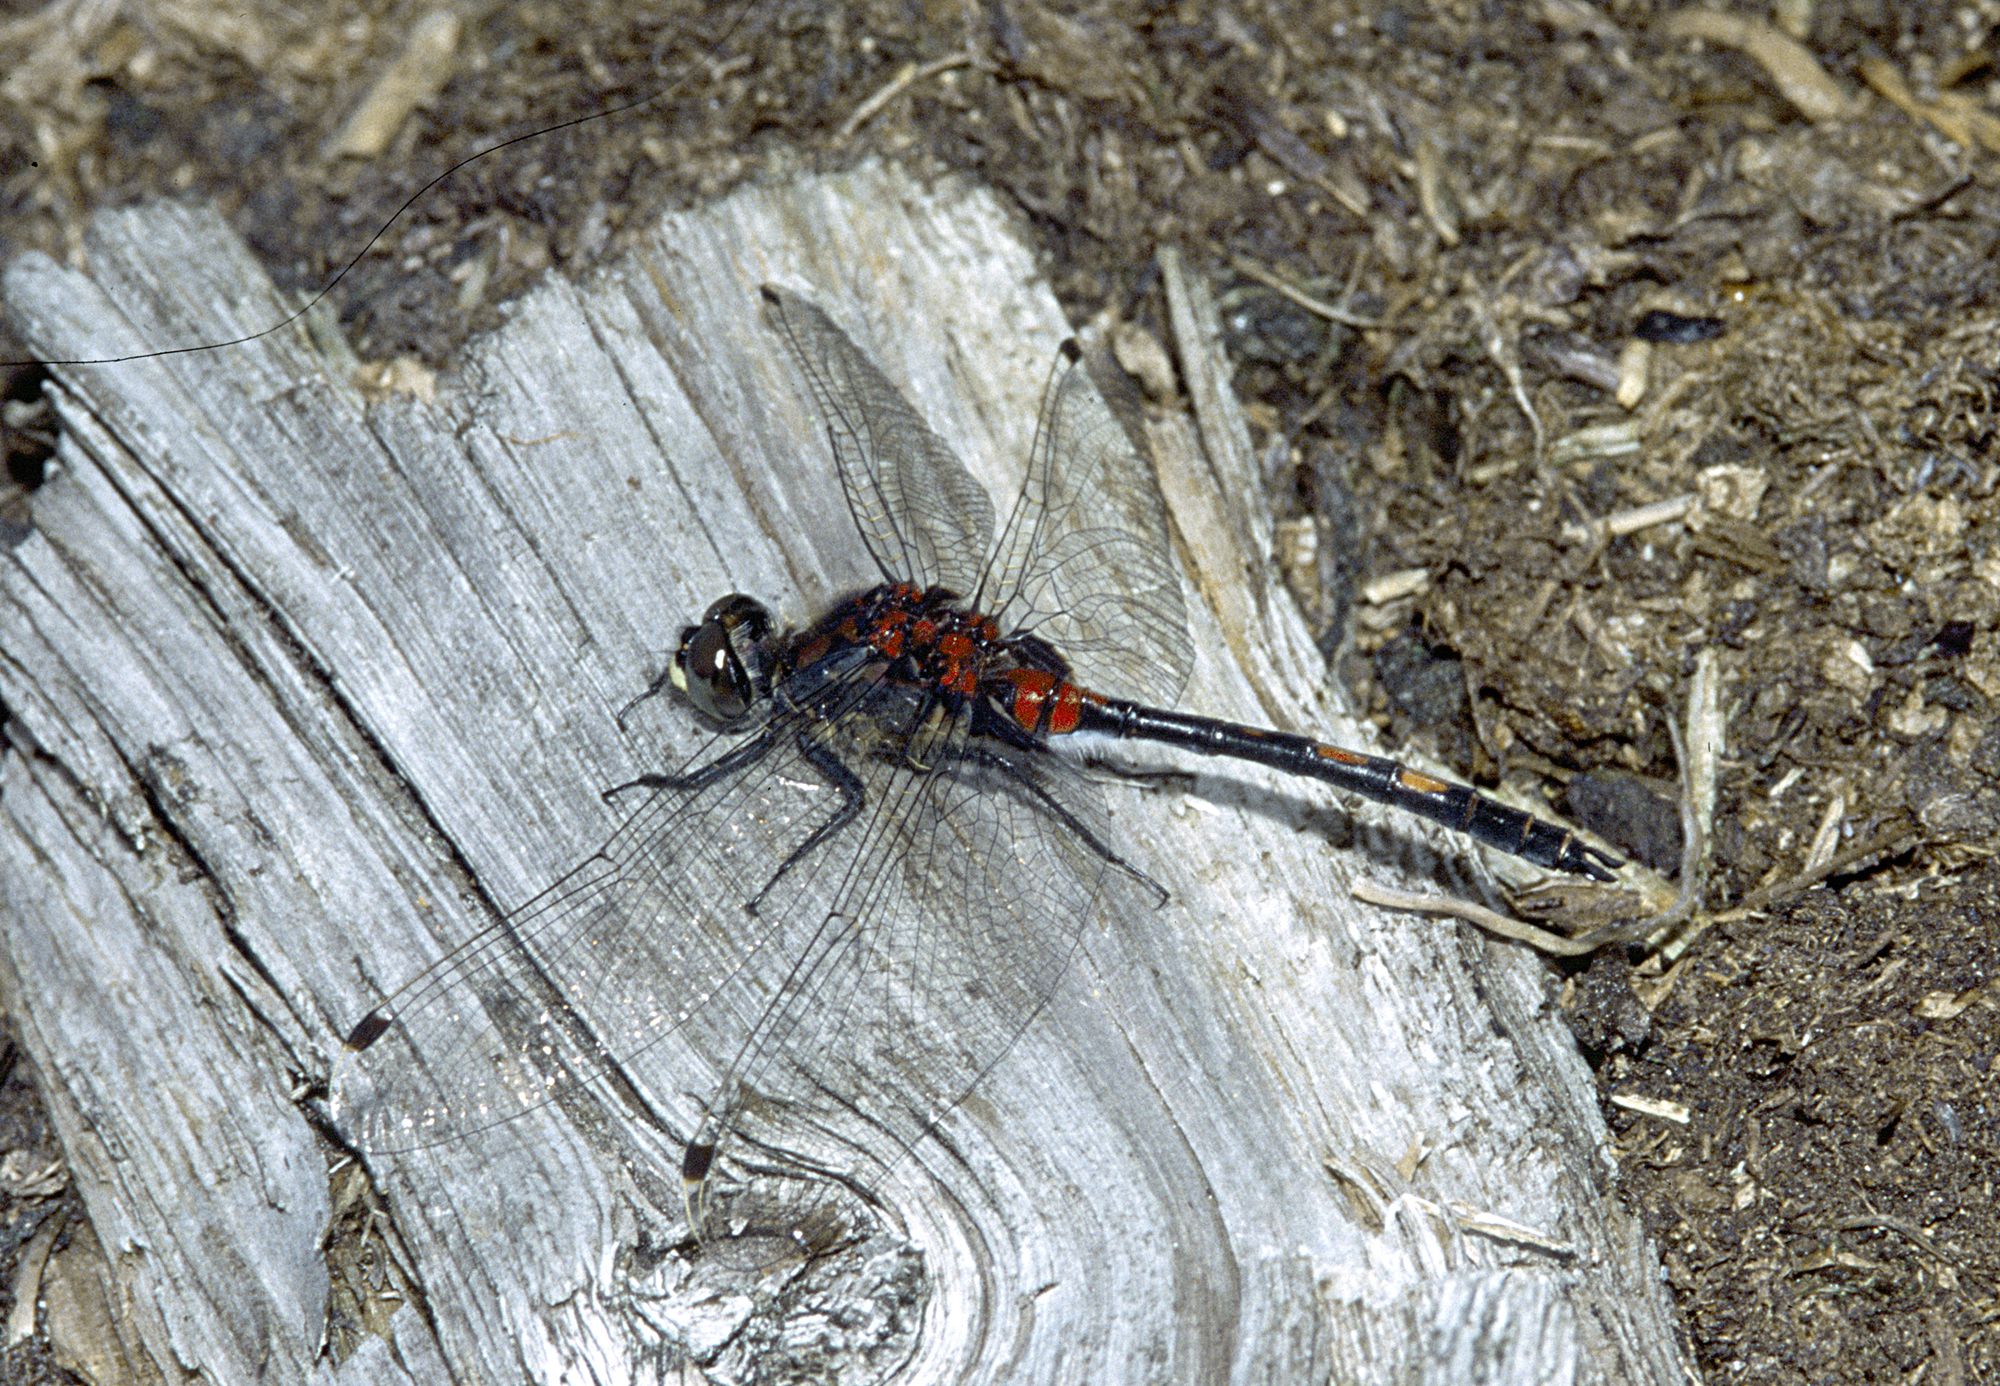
414 76
1791 66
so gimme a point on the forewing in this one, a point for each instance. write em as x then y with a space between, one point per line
922 516
653 937
1084 563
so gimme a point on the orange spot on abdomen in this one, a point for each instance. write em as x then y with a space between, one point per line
1031 692
1042 702
1062 717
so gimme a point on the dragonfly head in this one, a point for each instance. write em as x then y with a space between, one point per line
720 667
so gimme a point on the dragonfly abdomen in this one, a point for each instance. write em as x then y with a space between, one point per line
1373 777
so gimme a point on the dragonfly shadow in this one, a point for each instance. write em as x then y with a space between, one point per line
1390 840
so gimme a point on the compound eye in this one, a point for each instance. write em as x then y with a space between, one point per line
745 618
714 664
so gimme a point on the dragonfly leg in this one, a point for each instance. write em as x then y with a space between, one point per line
737 758
979 755
852 796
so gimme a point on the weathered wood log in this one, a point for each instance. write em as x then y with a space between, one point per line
303 685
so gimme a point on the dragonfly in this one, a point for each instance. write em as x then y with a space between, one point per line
849 906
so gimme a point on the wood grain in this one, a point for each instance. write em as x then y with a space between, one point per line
303 684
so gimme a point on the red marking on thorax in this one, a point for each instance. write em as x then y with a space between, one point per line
887 636
948 646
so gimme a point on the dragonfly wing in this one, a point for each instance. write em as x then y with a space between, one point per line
921 514
654 936
1083 562
963 891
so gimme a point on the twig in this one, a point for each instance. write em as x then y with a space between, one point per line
1492 921
1903 1227
1270 279
1624 522
908 75
1893 837
1504 357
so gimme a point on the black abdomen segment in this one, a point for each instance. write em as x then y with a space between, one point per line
1373 777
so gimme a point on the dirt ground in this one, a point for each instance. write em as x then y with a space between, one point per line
1589 342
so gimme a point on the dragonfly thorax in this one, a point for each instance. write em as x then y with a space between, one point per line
920 636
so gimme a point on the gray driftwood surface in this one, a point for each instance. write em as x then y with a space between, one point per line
303 683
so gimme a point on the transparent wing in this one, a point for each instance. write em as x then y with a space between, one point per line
1083 562
961 906
751 975
922 516
586 980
